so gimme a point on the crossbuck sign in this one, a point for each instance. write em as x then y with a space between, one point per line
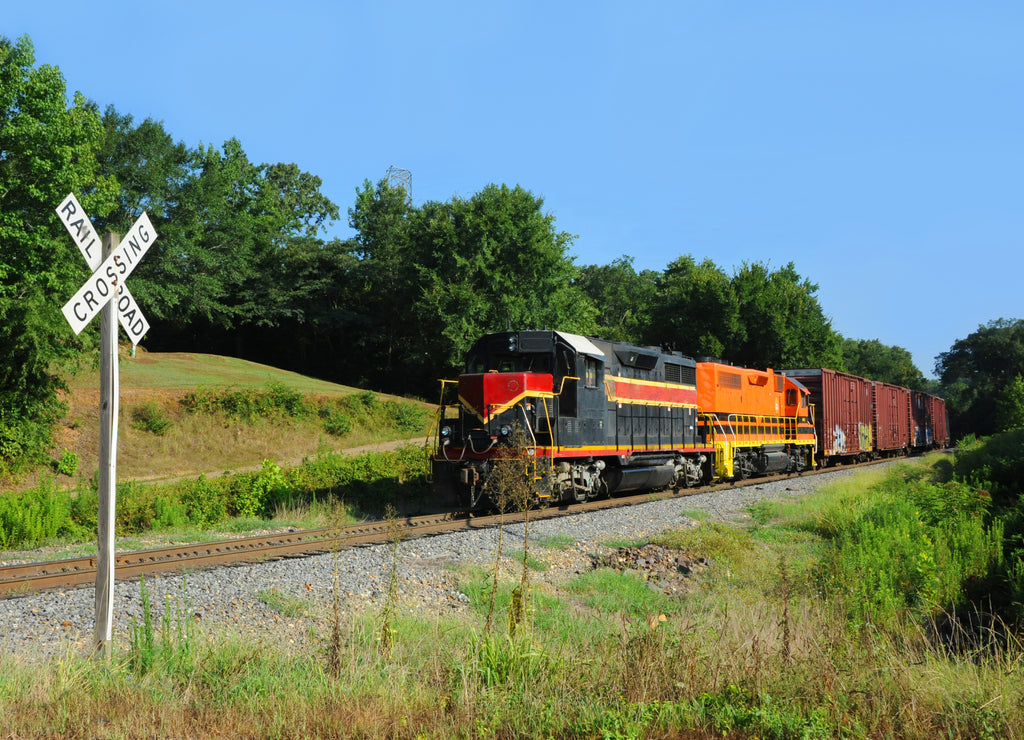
105 291
108 275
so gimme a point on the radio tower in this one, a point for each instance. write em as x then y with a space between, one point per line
398 176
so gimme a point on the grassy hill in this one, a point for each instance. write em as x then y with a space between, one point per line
211 443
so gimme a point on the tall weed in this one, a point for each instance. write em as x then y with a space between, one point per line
995 463
171 647
912 545
35 516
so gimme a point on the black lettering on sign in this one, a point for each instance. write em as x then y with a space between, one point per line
79 316
136 246
68 207
90 299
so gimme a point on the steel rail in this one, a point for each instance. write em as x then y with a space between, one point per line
26 578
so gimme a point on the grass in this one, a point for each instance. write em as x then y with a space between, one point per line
186 371
159 439
202 461
284 603
763 647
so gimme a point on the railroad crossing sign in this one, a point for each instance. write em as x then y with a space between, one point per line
105 291
108 275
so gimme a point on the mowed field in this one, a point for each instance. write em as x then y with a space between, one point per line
196 444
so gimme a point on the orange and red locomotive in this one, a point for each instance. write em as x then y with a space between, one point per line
596 417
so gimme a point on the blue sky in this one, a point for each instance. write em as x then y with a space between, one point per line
879 146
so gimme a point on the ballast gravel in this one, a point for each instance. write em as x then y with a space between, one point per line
429 570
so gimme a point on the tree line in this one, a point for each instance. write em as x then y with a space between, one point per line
242 267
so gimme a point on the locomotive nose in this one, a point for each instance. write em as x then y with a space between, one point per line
488 395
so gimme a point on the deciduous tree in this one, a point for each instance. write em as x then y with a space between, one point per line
783 324
869 358
980 378
47 149
622 297
695 310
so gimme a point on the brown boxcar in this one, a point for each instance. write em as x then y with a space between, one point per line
843 418
892 419
940 421
928 414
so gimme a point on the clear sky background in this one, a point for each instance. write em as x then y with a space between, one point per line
877 145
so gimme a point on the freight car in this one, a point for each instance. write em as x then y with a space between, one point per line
844 415
592 417
892 419
857 419
930 425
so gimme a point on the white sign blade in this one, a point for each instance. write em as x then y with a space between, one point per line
114 270
78 224
130 315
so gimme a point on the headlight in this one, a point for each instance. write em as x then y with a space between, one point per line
506 430
446 431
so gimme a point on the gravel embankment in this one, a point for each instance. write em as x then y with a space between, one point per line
56 623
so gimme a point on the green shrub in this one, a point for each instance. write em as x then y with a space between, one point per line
150 417
85 508
204 502
247 404
336 421
408 417
25 437
68 463
915 545
995 464
32 517
143 509
250 495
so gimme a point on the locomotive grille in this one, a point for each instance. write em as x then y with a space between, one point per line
675 373
730 380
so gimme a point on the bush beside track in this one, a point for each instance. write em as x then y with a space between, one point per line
334 486
328 487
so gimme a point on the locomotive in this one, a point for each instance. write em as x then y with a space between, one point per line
592 417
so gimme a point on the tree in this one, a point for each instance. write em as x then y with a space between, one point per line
869 358
218 268
385 285
783 324
47 149
979 377
622 297
695 310
488 263
147 164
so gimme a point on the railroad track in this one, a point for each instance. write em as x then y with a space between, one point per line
71 572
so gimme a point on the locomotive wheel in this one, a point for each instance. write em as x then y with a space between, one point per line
600 490
742 468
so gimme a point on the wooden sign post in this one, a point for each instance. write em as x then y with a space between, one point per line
105 292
